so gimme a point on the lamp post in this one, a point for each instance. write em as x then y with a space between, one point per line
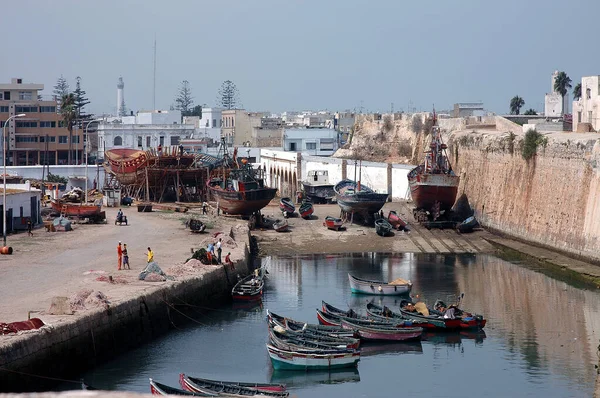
85 149
4 178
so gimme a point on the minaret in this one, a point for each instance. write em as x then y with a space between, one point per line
120 99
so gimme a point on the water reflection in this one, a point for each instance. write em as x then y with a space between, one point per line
303 379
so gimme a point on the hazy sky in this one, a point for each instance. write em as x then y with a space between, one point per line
294 55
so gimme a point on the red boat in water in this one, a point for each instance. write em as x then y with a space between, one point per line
250 288
333 223
433 184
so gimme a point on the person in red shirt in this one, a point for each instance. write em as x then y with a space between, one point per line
119 255
228 261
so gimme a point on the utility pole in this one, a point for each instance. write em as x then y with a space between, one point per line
153 79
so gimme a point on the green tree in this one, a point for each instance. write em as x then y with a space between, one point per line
562 84
61 88
516 103
530 111
184 100
577 91
196 111
80 102
228 95
68 111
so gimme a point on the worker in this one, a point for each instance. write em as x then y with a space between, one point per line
150 255
29 227
228 261
219 249
120 256
125 257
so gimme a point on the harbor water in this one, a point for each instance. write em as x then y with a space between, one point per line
540 338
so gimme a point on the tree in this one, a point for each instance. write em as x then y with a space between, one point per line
80 102
562 84
228 95
577 91
184 100
68 111
516 103
196 111
61 88
530 111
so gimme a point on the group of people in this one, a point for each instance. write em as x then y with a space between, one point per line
218 246
123 256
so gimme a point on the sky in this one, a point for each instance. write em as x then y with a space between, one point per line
297 55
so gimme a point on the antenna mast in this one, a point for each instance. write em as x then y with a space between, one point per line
154 79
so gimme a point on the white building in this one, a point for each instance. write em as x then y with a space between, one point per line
207 126
144 131
554 104
22 204
319 142
586 110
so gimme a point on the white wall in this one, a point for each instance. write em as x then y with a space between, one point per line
35 172
159 117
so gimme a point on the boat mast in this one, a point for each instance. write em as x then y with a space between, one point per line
359 174
355 163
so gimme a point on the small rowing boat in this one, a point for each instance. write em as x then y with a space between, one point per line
257 386
395 288
281 225
333 223
306 209
250 287
157 388
382 332
205 386
287 207
312 360
382 227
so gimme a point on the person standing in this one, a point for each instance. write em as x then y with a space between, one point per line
119 256
229 262
203 208
125 257
150 255
219 249
29 227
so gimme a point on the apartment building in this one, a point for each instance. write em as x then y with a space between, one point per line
39 133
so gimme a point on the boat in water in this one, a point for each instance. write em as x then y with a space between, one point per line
249 288
317 187
396 287
433 183
356 198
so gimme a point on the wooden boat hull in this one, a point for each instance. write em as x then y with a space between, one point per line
382 227
364 202
281 226
287 206
125 161
383 333
295 325
244 202
76 209
333 223
272 387
205 386
291 360
162 389
428 189
395 220
244 290
306 210
441 323
321 193
363 286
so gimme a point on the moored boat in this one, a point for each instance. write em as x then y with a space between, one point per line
287 207
384 314
287 340
274 387
306 209
419 312
321 336
250 287
296 325
281 225
394 219
311 360
157 388
357 198
382 332
205 386
383 227
333 223
394 288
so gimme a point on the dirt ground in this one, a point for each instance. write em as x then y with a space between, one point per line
59 263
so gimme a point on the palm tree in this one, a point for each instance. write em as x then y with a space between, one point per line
530 111
577 91
516 103
68 111
562 84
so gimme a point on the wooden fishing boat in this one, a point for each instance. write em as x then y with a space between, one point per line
410 312
467 320
250 287
306 209
281 225
467 225
80 210
205 386
332 317
382 227
384 314
274 387
314 336
311 360
397 287
126 163
317 187
394 219
330 309
286 205
389 332
295 325
354 197
157 388
291 342
333 223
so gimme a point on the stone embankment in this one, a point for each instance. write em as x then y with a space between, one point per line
551 199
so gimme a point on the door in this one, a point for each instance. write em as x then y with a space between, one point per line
292 146
33 208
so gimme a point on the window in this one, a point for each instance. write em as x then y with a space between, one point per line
311 145
52 139
7 95
326 145
147 142
48 124
27 124
139 141
118 141
2 123
21 138
206 125
25 95
214 123
161 140
232 122
63 139
48 109
588 93
26 109
292 146
3 109
579 117
174 140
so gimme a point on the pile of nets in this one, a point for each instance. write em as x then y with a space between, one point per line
112 279
227 241
153 273
189 267
88 298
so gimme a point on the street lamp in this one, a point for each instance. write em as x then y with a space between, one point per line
85 149
4 178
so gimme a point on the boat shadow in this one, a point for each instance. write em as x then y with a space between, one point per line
301 378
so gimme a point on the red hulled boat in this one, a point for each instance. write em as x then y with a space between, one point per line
80 210
433 184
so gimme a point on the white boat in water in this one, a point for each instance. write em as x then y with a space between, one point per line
312 360
395 288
